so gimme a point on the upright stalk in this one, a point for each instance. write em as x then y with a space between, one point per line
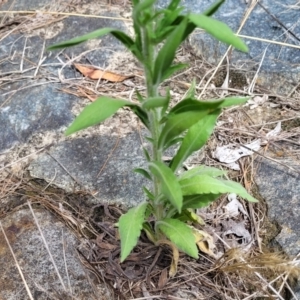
154 115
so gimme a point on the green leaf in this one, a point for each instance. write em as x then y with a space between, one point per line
96 112
195 139
218 30
202 170
149 232
173 142
149 139
130 226
155 102
143 172
182 117
168 97
187 105
238 189
166 54
199 201
180 234
211 10
121 36
204 184
148 193
146 153
191 91
148 212
140 12
189 28
187 113
232 101
194 202
169 184
140 113
139 96
172 70
75 41
161 33
128 43
165 24
173 5
188 215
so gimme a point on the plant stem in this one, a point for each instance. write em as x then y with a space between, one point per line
154 115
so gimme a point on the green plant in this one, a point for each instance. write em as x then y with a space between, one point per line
170 203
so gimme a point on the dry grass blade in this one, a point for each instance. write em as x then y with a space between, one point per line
253 3
47 247
30 12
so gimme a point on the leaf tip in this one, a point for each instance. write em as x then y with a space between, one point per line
69 131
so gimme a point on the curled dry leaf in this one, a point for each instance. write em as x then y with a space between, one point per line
95 73
204 241
175 256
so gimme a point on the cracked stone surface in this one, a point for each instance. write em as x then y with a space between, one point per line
279 186
93 166
279 66
34 260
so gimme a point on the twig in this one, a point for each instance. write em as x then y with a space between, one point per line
277 20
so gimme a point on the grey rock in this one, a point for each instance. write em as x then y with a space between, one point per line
279 186
35 263
75 26
280 66
32 103
40 108
24 5
94 167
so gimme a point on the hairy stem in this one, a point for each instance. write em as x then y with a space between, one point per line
149 52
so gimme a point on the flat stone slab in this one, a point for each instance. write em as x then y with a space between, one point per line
34 260
38 109
102 165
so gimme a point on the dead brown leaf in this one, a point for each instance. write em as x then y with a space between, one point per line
94 73
175 256
163 279
204 241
